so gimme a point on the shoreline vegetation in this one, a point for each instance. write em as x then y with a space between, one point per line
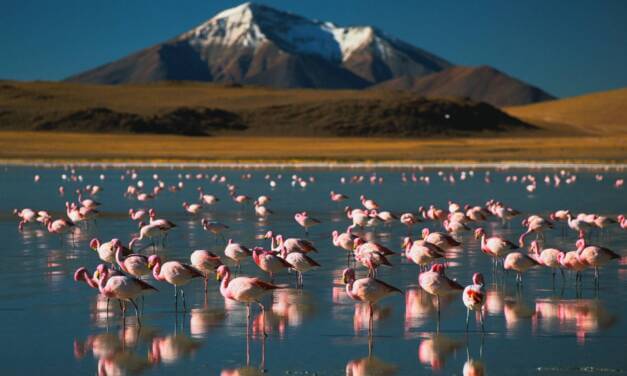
46 147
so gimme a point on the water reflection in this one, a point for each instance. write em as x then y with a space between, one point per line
434 350
581 316
420 307
249 370
201 320
117 354
369 365
171 348
472 366
293 306
361 317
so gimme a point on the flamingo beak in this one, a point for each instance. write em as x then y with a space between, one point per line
97 274
344 279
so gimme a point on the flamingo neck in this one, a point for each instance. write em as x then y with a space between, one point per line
224 285
349 290
156 272
120 260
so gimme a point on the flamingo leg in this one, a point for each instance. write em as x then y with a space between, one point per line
176 300
481 316
139 323
263 318
371 320
184 305
467 317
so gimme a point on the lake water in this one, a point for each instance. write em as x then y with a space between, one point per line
51 324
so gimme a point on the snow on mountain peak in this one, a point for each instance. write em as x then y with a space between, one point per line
250 25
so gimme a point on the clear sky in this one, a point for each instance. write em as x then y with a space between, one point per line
566 47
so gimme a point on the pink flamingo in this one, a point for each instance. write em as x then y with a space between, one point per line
305 221
622 221
538 225
175 273
106 251
26 215
214 227
548 257
409 220
454 227
358 216
269 261
300 262
337 197
147 231
133 264
494 246
164 225
59 226
474 297
368 203
137 215
595 257
292 244
367 290
207 199
421 252
121 287
520 263
435 282
370 256
245 290
237 252
570 260
192 208
206 262
442 240
82 274
344 240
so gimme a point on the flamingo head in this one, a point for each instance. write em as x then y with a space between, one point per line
153 260
81 274
204 222
94 243
525 222
269 235
406 242
421 209
362 198
373 213
479 232
438 268
560 257
335 234
348 276
552 216
15 211
151 213
101 272
621 218
425 232
580 244
477 279
221 272
298 216
185 204
347 209
534 247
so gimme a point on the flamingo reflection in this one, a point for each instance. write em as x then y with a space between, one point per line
369 365
434 350
573 316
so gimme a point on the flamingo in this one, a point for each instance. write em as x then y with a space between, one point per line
214 227
245 290
570 260
175 273
82 274
454 227
26 215
192 208
294 244
263 200
133 264
240 199
578 224
59 226
494 246
442 240
137 215
337 197
269 261
305 221
474 298
121 287
207 199
367 290
88 202
368 203
520 263
358 216
622 221
206 262
300 262
236 252
435 282
595 257
371 255
421 252
537 225
262 210
345 241
548 257
409 219
147 231
106 251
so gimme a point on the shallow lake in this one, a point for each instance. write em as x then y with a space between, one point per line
52 324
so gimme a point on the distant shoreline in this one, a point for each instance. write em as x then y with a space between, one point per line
601 165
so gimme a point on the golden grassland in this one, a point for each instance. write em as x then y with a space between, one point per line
601 113
50 146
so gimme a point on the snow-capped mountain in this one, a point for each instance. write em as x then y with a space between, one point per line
257 44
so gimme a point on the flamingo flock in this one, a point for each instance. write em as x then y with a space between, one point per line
126 273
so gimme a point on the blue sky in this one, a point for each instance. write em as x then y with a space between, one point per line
565 47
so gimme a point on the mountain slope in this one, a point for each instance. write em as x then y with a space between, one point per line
254 43
482 83
600 113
